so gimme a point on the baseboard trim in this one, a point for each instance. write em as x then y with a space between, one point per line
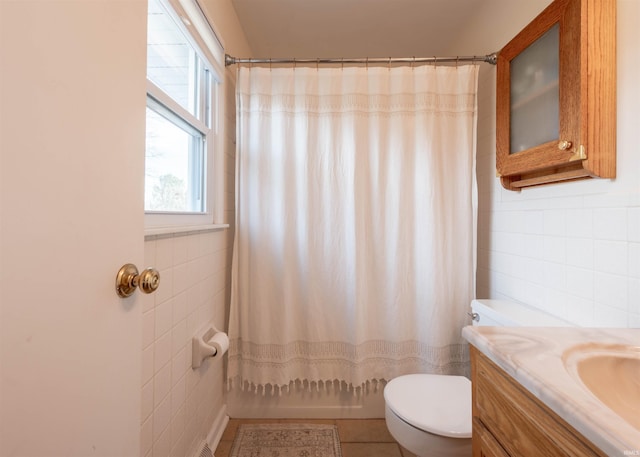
217 428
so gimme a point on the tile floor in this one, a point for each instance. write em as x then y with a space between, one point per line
358 438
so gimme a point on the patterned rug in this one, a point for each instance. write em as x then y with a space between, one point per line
286 440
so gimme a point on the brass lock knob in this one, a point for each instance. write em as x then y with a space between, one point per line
564 145
128 279
148 280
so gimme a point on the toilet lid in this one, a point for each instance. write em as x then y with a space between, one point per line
436 404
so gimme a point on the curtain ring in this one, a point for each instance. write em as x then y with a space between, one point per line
457 60
435 60
366 63
413 63
317 63
389 64
270 66
294 63
342 63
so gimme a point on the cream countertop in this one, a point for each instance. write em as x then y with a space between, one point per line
534 357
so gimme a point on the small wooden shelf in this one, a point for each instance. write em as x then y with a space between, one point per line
569 173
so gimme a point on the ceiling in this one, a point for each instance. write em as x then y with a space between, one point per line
352 28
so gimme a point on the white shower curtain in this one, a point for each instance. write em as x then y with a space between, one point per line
354 252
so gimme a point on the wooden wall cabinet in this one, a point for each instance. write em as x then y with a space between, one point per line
556 96
510 422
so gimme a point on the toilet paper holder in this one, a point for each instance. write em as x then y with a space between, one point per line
209 343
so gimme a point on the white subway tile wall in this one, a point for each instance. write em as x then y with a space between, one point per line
179 405
571 249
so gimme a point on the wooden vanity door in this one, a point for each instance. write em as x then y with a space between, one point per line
484 444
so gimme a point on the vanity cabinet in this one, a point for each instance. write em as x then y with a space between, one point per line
508 421
556 96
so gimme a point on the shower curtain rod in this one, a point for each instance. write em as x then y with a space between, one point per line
489 58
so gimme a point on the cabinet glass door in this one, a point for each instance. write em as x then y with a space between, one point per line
535 95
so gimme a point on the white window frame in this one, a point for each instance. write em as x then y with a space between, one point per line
189 16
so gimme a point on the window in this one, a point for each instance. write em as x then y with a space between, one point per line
182 110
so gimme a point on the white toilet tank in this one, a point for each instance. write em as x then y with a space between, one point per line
504 313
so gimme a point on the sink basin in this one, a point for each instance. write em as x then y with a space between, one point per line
612 374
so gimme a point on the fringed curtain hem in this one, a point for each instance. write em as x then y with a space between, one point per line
259 366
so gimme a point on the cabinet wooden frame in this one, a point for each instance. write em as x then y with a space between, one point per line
587 97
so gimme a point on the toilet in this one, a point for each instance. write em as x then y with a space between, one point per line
430 415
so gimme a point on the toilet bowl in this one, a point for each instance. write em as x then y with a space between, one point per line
430 415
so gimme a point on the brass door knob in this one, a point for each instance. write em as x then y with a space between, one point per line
128 279
564 145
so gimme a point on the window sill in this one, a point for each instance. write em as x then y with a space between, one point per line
153 232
